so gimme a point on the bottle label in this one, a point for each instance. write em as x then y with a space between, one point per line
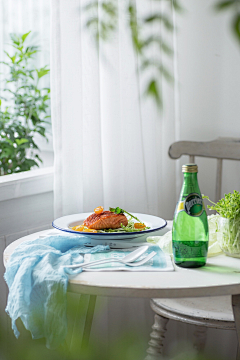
193 205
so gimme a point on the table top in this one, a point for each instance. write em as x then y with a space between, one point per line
220 276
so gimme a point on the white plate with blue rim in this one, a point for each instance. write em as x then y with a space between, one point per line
66 223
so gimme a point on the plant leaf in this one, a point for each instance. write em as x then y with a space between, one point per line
21 141
152 90
177 6
236 26
15 39
222 5
161 18
42 72
166 73
24 36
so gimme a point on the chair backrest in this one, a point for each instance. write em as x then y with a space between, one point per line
221 148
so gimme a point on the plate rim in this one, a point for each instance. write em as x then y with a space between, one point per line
112 233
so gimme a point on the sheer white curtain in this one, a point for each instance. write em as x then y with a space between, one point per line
21 16
110 144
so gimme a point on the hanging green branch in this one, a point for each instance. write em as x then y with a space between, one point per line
234 7
102 22
154 67
102 18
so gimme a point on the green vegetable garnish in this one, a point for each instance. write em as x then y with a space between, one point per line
129 228
118 210
228 207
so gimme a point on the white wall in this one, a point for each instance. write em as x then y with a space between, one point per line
26 206
209 78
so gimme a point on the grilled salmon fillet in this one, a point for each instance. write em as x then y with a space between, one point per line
105 220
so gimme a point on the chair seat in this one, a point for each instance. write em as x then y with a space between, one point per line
211 311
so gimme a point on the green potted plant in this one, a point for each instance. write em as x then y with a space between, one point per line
24 108
228 223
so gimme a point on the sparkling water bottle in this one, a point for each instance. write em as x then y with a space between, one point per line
190 224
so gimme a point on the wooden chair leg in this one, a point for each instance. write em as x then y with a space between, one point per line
157 336
200 336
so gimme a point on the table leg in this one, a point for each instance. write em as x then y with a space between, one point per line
236 313
88 321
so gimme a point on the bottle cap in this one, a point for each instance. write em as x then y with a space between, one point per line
190 168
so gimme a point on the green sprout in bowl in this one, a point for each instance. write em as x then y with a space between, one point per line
228 222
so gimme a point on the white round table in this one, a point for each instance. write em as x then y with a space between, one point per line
220 276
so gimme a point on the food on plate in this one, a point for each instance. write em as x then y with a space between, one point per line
139 226
78 228
83 228
105 220
98 210
113 220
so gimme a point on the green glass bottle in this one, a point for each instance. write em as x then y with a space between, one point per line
190 224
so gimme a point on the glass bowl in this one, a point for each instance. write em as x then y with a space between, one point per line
228 236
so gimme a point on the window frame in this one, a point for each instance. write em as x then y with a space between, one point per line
26 183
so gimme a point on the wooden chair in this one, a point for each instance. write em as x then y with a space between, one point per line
201 312
220 149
